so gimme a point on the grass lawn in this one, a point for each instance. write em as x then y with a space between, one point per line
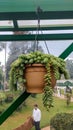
18 118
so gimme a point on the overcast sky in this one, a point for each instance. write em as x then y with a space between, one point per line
55 48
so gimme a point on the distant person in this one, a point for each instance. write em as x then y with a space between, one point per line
68 94
36 117
68 89
59 92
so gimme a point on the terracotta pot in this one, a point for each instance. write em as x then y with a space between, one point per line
34 75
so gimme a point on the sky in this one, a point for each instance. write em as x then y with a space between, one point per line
55 48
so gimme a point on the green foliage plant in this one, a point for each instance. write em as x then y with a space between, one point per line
62 121
57 64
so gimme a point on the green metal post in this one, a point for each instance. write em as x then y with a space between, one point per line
67 51
40 37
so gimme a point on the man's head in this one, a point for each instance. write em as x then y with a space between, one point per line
35 106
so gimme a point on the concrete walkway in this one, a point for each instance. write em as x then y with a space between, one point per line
46 128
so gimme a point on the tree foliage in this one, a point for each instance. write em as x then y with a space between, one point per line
1 74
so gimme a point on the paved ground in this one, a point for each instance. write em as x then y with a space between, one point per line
46 128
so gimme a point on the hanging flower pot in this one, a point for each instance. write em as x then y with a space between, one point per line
38 73
34 75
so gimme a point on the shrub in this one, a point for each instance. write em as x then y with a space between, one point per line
62 121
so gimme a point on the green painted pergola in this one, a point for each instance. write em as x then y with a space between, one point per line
17 10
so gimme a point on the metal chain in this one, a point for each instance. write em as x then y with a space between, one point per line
37 31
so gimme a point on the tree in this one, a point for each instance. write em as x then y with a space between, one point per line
1 74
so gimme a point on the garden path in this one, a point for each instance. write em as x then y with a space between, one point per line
46 128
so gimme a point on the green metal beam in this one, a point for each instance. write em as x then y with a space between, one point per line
40 37
67 51
13 107
33 16
35 28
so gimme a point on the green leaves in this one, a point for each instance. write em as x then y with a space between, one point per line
48 97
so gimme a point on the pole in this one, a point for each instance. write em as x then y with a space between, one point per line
5 66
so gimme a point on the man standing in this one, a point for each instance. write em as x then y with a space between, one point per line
36 117
68 94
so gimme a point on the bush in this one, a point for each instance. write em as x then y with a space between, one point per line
62 121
